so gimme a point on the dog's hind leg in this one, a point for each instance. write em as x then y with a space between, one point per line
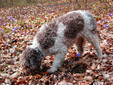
92 37
79 46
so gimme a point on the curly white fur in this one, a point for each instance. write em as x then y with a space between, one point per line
62 44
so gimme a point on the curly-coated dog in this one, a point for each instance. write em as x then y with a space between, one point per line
57 36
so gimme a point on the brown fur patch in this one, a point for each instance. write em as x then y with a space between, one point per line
30 61
74 23
46 39
94 31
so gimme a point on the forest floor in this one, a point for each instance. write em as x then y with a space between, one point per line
18 25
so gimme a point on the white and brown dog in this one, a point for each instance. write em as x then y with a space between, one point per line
57 36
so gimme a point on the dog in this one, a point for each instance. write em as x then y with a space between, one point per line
55 37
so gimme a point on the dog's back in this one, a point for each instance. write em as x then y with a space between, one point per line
64 31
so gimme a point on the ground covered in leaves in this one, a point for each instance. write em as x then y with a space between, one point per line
18 25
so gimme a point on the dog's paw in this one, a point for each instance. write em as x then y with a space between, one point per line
52 70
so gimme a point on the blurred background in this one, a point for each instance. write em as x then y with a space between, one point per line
77 4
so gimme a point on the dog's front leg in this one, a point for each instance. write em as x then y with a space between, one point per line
59 58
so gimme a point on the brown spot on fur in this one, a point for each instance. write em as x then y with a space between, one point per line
30 61
74 24
46 39
94 31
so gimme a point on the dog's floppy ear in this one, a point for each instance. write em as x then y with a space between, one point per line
30 61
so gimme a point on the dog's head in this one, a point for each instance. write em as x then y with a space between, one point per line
30 60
